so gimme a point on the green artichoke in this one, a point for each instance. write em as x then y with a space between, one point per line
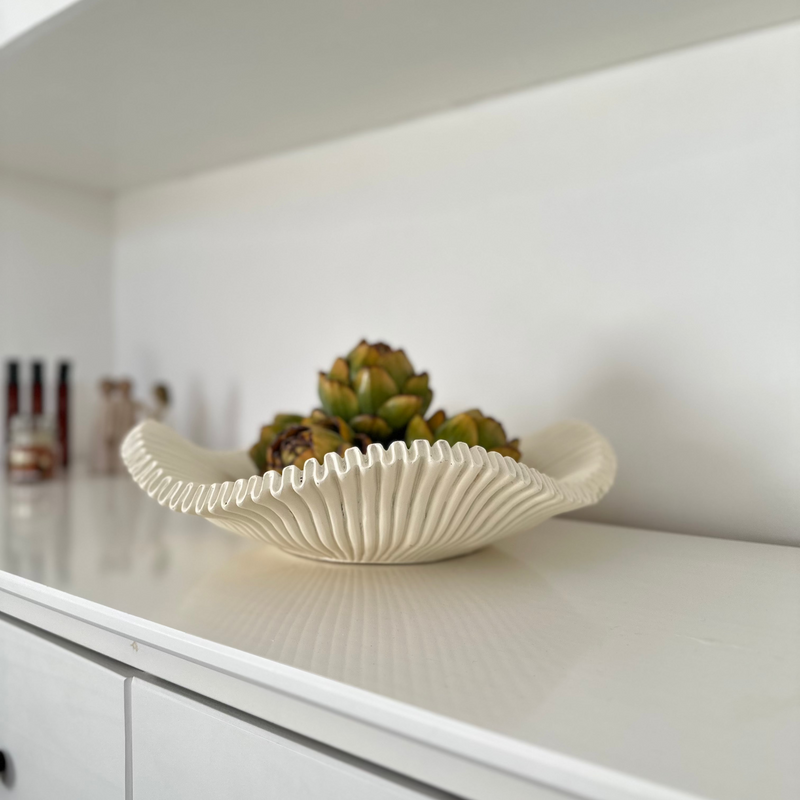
338 425
293 439
375 390
258 452
471 427
372 395
298 443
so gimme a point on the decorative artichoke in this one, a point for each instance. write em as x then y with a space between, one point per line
471 427
372 395
375 390
338 425
258 452
293 439
298 443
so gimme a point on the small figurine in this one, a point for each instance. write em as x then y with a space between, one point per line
118 413
103 451
126 411
126 408
160 408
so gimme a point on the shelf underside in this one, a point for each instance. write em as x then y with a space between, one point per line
116 93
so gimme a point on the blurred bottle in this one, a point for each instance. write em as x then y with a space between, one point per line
12 399
37 389
62 412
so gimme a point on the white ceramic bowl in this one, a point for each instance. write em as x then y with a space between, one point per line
396 505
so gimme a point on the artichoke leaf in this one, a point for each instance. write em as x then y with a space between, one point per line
418 429
340 371
491 433
374 386
364 355
511 452
374 427
396 363
398 410
337 399
435 420
460 428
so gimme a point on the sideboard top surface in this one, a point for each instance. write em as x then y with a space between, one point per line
668 657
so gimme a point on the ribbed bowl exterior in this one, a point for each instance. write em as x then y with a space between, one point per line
397 505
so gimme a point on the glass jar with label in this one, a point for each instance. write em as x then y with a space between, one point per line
31 449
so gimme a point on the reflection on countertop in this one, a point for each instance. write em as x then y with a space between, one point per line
432 632
426 633
102 538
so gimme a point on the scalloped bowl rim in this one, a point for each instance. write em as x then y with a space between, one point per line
221 500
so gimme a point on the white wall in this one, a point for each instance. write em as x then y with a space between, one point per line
55 287
621 247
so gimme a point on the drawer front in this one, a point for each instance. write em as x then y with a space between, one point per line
187 750
62 722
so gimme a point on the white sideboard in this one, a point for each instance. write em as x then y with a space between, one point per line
184 748
62 721
148 655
